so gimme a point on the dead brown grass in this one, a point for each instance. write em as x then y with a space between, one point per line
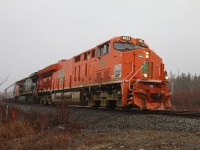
185 100
36 130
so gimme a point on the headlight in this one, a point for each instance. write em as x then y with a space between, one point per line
147 54
166 77
145 75
141 41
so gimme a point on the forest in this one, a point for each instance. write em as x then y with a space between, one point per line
186 91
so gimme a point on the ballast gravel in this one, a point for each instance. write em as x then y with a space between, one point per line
103 121
105 130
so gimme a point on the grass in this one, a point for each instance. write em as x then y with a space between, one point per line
36 130
185 100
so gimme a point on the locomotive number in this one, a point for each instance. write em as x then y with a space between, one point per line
127 38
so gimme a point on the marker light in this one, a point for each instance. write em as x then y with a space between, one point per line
145 75
166 77
147 54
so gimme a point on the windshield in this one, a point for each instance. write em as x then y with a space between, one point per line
124 47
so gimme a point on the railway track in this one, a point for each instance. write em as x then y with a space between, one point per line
185 114
135 111
48 108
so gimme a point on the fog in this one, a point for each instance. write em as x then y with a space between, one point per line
37 33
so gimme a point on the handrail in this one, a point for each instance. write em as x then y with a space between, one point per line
172 87
132 76
129 73
135 74
138 80
126 78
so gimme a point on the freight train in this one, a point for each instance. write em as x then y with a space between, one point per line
121 72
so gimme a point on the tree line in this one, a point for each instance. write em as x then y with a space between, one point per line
186 90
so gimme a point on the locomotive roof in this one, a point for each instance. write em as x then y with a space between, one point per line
52 67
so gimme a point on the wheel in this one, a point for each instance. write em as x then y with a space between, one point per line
111 104
126 108
97 104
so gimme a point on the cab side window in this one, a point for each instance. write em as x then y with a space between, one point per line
93 53
103 49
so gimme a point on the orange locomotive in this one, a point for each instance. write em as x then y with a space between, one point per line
121 72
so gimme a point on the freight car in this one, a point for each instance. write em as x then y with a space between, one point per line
9 93
121 72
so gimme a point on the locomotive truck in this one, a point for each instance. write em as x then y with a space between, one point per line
121 72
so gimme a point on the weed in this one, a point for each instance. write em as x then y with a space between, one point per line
36 129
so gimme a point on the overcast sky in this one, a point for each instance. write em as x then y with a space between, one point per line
37 33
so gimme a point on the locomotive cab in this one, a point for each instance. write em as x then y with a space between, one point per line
144 79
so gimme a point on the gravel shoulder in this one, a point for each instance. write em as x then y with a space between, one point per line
114 130
138 140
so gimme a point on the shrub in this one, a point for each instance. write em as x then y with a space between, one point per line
37 129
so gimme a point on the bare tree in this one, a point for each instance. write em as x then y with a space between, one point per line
5 79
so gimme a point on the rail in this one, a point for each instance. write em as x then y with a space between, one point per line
134 111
